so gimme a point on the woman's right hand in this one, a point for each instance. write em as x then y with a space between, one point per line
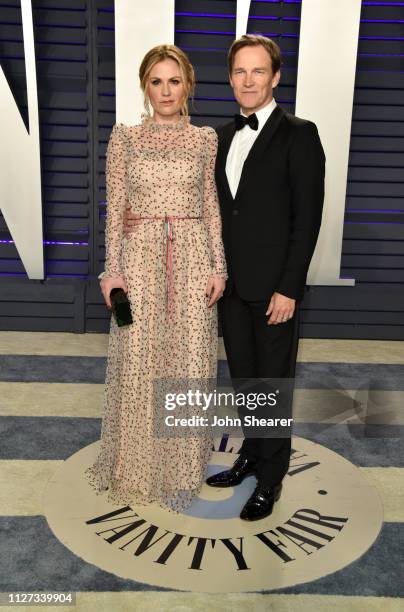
107 284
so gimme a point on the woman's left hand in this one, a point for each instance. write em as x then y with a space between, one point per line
214 289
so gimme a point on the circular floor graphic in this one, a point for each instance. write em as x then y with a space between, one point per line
327 517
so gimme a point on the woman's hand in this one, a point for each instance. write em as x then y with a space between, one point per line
107 284
214 289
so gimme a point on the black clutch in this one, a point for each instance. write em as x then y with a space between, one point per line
121 307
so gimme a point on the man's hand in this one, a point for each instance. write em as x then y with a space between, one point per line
107 284
281 309
130 221
214 289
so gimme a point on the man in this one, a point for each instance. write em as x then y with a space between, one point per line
270 177
270 170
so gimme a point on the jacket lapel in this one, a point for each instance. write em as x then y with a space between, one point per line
226 137
259 146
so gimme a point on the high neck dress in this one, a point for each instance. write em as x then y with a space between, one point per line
165 174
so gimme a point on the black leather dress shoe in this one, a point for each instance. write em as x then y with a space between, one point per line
261 502
232 477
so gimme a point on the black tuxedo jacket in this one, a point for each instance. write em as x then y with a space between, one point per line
270 228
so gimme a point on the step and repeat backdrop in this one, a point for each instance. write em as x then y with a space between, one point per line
72 56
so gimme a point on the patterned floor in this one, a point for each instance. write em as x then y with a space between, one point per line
349 398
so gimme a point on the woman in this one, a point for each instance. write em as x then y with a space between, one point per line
173 270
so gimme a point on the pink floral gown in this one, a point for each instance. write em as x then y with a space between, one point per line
160 170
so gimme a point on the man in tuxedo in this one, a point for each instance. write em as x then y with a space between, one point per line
270 171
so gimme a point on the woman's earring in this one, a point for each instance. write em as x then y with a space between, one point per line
147 107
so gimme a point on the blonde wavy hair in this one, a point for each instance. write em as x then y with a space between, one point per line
162 52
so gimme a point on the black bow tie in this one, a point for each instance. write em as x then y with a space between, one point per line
241 121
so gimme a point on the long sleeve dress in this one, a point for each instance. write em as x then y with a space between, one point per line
165 172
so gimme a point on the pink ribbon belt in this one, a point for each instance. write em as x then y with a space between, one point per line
169 234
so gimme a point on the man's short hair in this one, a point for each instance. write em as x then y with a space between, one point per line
252 40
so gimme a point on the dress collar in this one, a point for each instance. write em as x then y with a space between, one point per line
149 123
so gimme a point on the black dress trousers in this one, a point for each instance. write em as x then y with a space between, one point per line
254 350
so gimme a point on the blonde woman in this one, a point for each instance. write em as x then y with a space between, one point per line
173 269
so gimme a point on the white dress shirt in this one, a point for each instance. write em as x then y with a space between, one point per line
241 144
